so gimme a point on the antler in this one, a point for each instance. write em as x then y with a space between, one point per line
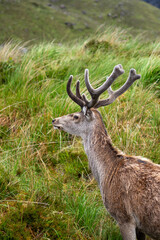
95 93
114 94
82 101
77 99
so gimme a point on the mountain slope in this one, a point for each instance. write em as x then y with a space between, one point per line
64 20
155 3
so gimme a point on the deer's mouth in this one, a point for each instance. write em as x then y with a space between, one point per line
57 127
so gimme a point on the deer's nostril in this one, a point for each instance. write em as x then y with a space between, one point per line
53 120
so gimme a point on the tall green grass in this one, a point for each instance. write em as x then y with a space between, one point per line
47 191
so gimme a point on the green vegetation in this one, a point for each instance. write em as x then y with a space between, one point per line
63 20
46 188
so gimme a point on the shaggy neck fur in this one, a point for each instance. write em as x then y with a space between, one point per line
101 154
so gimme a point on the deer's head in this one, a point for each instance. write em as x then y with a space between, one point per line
80 123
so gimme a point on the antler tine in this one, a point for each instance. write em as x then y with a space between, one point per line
85 99
114 94
117 71
78 94
95 93
76 98
91 90
132 77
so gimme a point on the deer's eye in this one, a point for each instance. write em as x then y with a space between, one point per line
75 117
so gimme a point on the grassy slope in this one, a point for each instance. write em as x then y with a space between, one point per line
46 190
35 20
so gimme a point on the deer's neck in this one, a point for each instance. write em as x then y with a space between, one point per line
101 154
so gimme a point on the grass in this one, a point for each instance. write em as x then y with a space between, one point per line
47 191
38 21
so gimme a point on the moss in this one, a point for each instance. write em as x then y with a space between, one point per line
22 223
33 221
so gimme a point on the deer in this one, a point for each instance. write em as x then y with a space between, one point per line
129 185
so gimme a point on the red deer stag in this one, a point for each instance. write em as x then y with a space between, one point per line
129 185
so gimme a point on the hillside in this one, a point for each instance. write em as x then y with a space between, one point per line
63 20
155 3
46 187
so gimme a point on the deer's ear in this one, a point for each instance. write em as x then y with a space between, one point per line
87 112
89 115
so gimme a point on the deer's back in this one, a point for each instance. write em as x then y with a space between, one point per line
135 195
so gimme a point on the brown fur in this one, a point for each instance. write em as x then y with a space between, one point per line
130 186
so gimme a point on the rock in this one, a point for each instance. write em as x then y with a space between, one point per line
62 6
69 24
123 13
112 15
53 1
115 16
84 12
87 26
120 4
51 5
23 50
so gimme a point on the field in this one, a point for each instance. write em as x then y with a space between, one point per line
46 188
63 20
